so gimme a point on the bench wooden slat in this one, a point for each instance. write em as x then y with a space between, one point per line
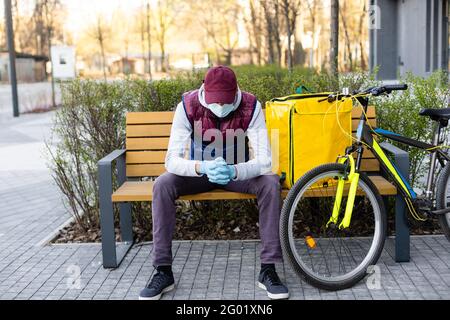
367 154
147 143
145 170
370 165
151 163
355 122
164 117
135 157
156 169
143 191
149 130
356 112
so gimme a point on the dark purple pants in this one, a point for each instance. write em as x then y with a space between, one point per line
169 187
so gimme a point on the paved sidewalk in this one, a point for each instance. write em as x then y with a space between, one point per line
31 209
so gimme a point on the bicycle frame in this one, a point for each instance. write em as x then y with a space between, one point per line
365 137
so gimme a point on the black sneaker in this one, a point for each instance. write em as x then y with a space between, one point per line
268 280
161 282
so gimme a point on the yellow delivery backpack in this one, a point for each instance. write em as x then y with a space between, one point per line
306 130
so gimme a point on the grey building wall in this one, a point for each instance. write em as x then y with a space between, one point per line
409 36
28 69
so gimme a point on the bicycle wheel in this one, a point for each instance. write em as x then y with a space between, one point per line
327 257
443 200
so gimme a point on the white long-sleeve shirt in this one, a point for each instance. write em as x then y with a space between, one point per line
180 141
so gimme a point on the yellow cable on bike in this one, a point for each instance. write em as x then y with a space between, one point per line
437 147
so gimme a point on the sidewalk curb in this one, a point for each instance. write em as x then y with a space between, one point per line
46 240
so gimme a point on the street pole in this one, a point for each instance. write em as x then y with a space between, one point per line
51 64
12 57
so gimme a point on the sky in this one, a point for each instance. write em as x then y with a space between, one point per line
82 12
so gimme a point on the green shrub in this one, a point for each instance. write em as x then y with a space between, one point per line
399 112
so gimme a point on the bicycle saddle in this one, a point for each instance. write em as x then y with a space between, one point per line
441 115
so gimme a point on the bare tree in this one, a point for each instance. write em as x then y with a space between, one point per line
334 37
46 21
166 12
49 7
312 9
347 37
256 30
269 31
252 24
149 39
17 24
277 27
291 10
100 32
142 31
361 37
219 21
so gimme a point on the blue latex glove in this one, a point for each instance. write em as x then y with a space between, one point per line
207 167
213 169
223 172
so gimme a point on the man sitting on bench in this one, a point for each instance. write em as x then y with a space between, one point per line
217 122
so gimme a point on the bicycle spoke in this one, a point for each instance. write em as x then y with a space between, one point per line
325 250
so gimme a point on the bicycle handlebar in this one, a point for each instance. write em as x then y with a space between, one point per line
376 91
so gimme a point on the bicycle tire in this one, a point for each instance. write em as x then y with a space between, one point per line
444 220
284 230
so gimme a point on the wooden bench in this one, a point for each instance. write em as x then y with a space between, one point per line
147 136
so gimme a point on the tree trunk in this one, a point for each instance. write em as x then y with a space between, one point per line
163 56
149 41
289 33
347 41
277 32
252 47
269 36
103 59
361 41
334 37
142 29
256 31
102 49
312 13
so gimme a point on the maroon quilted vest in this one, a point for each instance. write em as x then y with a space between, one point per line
207 126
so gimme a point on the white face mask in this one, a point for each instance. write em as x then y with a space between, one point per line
221 111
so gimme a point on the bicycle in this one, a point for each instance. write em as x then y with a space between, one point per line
346 217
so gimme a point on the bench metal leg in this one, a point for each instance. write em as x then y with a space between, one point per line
107 218
402 236
126 222
400 248
112 254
